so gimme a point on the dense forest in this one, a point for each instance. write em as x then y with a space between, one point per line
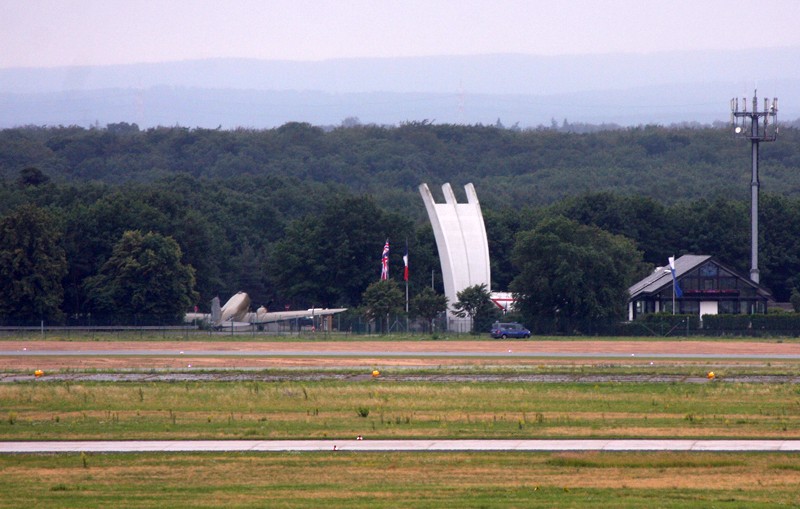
531 167
297 215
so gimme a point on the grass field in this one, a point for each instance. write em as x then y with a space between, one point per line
372 408
377 480
383 408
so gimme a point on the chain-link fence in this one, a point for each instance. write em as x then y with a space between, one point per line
351 324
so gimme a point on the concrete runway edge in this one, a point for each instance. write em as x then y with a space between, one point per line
618 445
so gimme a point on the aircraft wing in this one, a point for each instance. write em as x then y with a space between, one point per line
234 313
277 316
197 317
263 317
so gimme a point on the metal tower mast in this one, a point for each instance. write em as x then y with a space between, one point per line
763 127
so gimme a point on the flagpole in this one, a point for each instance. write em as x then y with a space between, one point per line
676 290
405 276
674 280
406 306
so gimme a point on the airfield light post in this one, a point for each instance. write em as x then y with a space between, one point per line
763 127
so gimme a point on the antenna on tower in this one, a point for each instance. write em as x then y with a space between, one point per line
756 126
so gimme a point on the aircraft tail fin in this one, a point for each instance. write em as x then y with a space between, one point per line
216 311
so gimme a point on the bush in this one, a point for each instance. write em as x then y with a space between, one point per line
768 322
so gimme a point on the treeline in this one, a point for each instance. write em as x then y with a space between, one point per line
298 244
297 216
529 167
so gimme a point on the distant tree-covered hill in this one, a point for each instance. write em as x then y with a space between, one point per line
508 166
628 89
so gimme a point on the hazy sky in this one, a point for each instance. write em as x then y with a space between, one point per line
77 32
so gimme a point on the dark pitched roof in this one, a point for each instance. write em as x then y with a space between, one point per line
661 277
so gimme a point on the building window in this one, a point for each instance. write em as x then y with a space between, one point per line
725 273
728 307
747 291
688 307
708 269
642 307
752 307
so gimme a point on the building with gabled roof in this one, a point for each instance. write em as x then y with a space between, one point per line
707 288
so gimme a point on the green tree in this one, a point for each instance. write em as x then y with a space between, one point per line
795 300
382 299
428 304
779 248
32 265
32 177
475 303
571 272
248 274
720 228
641 219
330 258
501 225
423 259
144 280
92 230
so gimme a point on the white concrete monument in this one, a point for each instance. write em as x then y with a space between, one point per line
462 244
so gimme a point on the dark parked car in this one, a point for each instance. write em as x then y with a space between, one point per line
509 330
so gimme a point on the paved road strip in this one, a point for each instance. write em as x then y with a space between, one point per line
387 354
299 376
399 445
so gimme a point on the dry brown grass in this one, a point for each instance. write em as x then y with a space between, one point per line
341 476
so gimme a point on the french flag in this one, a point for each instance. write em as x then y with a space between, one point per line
405 262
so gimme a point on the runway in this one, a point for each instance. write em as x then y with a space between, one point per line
629 445
205 360
546 349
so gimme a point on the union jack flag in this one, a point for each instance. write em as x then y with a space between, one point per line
385 262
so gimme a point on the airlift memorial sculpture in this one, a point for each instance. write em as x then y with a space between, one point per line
462 244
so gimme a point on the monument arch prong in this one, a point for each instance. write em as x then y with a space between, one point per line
462 243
